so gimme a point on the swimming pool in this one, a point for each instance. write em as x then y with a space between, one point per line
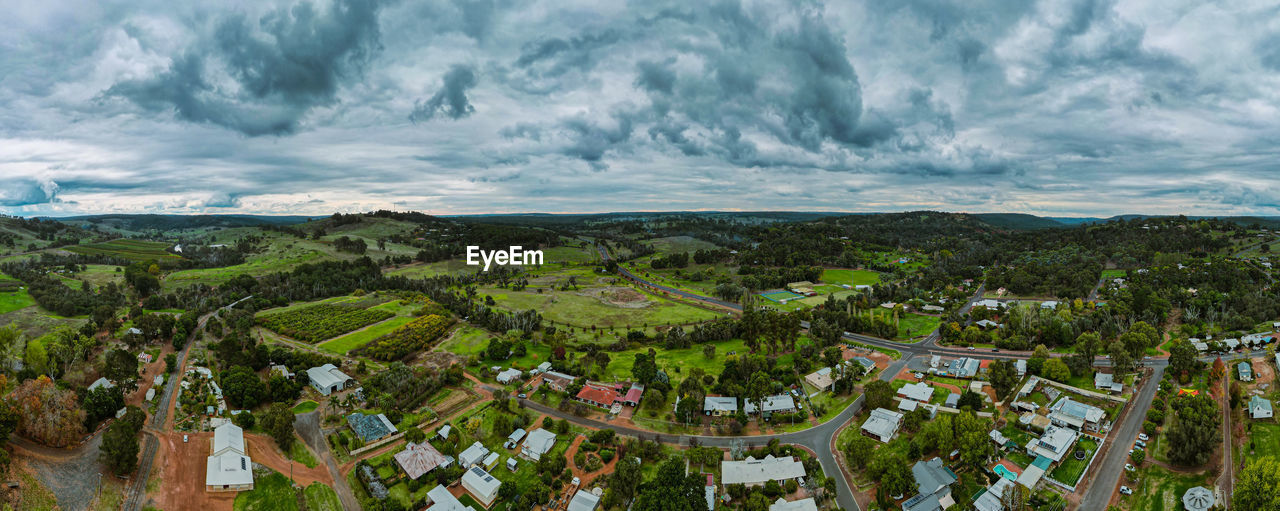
1005 473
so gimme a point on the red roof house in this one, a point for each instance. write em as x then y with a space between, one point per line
598 396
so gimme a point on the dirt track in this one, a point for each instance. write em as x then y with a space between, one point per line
71 474
181 468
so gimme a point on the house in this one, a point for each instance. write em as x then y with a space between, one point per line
882 424
1054 443
101 382
1021 366
512 464
633 395
820 379
1198 498
866 363
444 431
781 403
933 482
986 323
796 505
472 455
282 370
1232 344
1049 304
442 500
370 428
953 400
584 501
907 405
151 393
754 472
327 379
918 391
991 500
1259 408
481 485
988 303
932 308
144 358
557 381
418 459
228 465
997 437
719 405
514 438
1200 346
509 376
964 367
1105 382
597 395
543 367
1245 371
1077 415
539 442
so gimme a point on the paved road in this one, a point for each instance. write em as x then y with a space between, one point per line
1112 465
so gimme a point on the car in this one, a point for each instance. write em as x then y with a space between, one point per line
920 375
521 395
800 406
1140 443
997 350
1143 437
1125 490
1128 467
971 348
184 439
898 496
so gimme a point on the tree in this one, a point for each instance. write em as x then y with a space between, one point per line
415 435
857 452
122 368
971 400
645 368
757 389
1182 358
242 388
1194 432
672 489
709 350
47 414
278 422
1218 371
102 403
1258 485
972 439
245 419
119 450
1015 498
892 469
878 394
1121 360
937 435
1138 456
1004 377
1055 369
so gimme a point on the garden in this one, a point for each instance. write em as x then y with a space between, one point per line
321 321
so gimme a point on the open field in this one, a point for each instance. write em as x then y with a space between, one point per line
269 493
1161 490
675 244
15 300
1114 274
850 277
1265 438
581 309
914 325
353 340
134 250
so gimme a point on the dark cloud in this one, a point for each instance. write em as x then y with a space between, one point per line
27 192
282 65
655 77
451 100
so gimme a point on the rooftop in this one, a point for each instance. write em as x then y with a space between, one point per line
754 471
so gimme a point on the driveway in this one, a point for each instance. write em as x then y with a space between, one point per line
308 427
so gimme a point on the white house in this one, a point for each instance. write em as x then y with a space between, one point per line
584 501
327 379
228 466
539 442
781 403
918 391
509 376
719 405
442 500
754 472
481 485
472 455
1259 408
795 505
882 424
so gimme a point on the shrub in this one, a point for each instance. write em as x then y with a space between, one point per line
606 455
414 336
588 447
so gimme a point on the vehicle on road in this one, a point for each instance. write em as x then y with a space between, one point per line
971 348
1143 437
184 439
997 350
521 395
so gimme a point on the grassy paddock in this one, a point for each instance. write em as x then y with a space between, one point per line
341 345
851 277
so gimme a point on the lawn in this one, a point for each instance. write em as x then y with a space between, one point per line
577 309
1070 469
13 301
1161 490
305 407
353 340
321 498
299 452
271 493
851 277
1265 438
914 325
676 361
1114 274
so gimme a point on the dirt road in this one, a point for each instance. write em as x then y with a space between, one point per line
308 427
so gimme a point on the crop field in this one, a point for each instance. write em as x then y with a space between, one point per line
850 277
319 322
353 340
283 253
413 336
134 250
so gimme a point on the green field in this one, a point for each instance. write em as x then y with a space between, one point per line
15 300
134 250
353 340
1161 490
674 244
321 498
851 277
305 406
271 493
299 452
577 309
915 325
1265 438
1114 274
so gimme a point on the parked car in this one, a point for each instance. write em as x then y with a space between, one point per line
1141 444
184 439
997 350
1143 437
971 348
1128 467
521 395
1125 490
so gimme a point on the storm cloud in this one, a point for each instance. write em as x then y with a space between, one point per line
1060 107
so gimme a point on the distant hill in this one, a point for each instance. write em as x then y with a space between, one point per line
170 222
1018 221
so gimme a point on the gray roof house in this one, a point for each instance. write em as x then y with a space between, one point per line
327 379
755 472
781 403
719 405
1245 371
933 481
882 424
990 499
370 427
918 391
538 443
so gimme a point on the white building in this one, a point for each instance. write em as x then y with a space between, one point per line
781 403
509 376
882 425
472 455
1054 444
754 472
584 501
796 505
539 442
442 500
1259 408
918 391
327 379
481 485
228 466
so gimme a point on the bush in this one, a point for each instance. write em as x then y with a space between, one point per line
1149 427
594 463
580 459
588 447
606 455
1138 456
791 486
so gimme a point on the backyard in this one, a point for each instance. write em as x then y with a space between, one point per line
1070 469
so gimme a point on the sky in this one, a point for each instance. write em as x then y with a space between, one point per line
1057 108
